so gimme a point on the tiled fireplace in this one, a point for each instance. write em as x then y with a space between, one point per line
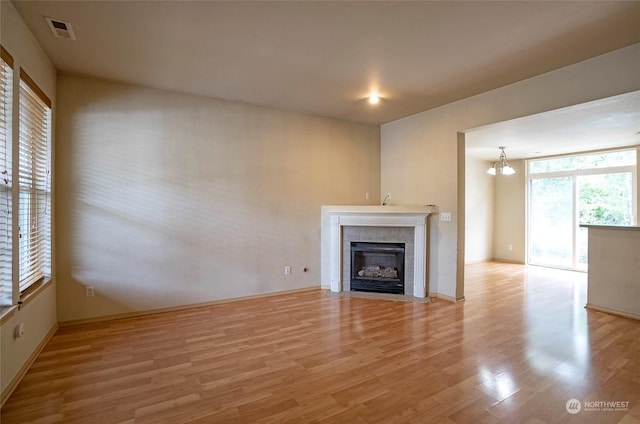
343 225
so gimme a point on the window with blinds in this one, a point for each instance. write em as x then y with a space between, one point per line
6 88
34 211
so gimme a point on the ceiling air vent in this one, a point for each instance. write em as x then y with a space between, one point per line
61 29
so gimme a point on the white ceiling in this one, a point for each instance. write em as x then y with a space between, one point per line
324 57
601 124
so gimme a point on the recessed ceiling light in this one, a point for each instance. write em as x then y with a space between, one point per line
374 98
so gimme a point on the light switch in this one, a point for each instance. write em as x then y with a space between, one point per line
445 216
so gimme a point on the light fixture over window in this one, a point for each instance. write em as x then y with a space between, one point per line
501 167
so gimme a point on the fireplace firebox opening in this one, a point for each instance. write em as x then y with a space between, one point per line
377 267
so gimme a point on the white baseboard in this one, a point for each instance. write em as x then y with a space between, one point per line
612 311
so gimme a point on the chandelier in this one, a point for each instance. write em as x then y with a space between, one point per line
502 166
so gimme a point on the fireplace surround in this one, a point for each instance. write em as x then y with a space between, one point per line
339 222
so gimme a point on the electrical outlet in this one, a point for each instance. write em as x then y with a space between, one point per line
287 270
89 292
510 247
367 196
445 216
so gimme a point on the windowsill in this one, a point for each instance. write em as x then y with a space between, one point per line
6 312
612 227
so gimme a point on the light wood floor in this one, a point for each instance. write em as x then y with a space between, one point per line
515 351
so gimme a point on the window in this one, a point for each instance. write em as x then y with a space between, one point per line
34 212
6 85
564 192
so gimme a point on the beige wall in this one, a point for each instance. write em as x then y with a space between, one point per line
614 266
39 319
509 219
168 199
419 153
479 217
495 217
38 315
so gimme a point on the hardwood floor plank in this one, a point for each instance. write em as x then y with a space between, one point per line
519 347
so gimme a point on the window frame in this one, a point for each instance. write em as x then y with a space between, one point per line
33 184
6 154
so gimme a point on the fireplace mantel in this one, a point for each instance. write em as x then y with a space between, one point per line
336 217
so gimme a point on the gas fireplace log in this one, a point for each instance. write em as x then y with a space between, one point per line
378 272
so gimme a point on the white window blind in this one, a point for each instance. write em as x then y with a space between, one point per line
6 88
34 183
